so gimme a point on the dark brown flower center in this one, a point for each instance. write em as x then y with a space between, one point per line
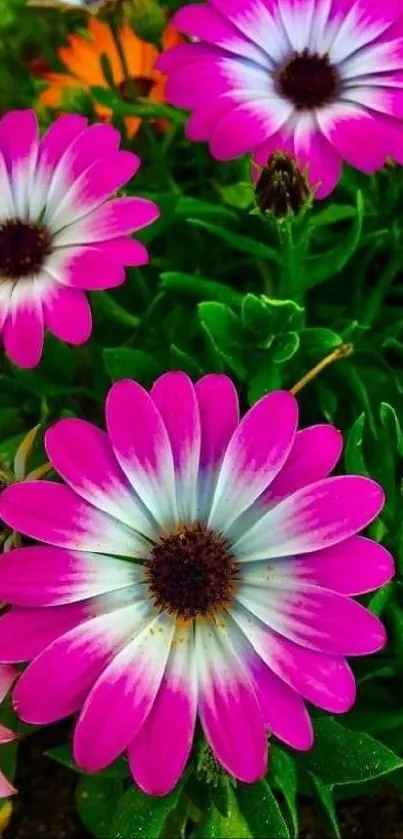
23 248
140 85
308 80
192 573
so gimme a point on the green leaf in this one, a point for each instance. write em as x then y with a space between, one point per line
216 826
239 195
284 777
123 362
139 816
285 346
240 243
353 454
325 796
286 315
221 322
332 214
180 360
97 799
195 208
325 265
199 288
225 329
341 756
261 811
391 424
319 342
267 377
256 315
142 108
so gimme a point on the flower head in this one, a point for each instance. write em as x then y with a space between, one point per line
83 61
59 232
7 676
320 79
195 566
281 188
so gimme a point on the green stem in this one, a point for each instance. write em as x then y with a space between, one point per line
381 289
294 238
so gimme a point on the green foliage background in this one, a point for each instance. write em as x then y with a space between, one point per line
227 290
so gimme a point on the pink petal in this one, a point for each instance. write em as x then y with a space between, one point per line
96 141
169 727
175 398
58 681
125 691
23 332
124 250
6 736
256 452
315 517
24 633
203 121
316 155
19 145
229 710
248 125
219 416
67 314
356 134
324 680
45 576
207 24
6 789
83 456
56 140
142 447
283 708
316 618
53 513
97 183
355 566
113 219
7 676
254 20
85 268
314 454
58 137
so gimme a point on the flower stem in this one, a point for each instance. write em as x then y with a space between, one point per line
129 82
294 240
343 351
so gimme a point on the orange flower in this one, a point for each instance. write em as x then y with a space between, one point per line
82 59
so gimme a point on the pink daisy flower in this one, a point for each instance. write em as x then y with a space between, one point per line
197 567
321 79
59 233
7 676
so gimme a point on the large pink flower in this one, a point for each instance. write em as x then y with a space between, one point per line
7 676
197 566
59 233
321 79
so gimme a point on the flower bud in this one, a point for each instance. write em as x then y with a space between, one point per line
281 188
147 19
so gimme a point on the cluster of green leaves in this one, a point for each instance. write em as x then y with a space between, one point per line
230 290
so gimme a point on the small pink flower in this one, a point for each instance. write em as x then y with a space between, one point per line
60 235
196 566
7 676
319 79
